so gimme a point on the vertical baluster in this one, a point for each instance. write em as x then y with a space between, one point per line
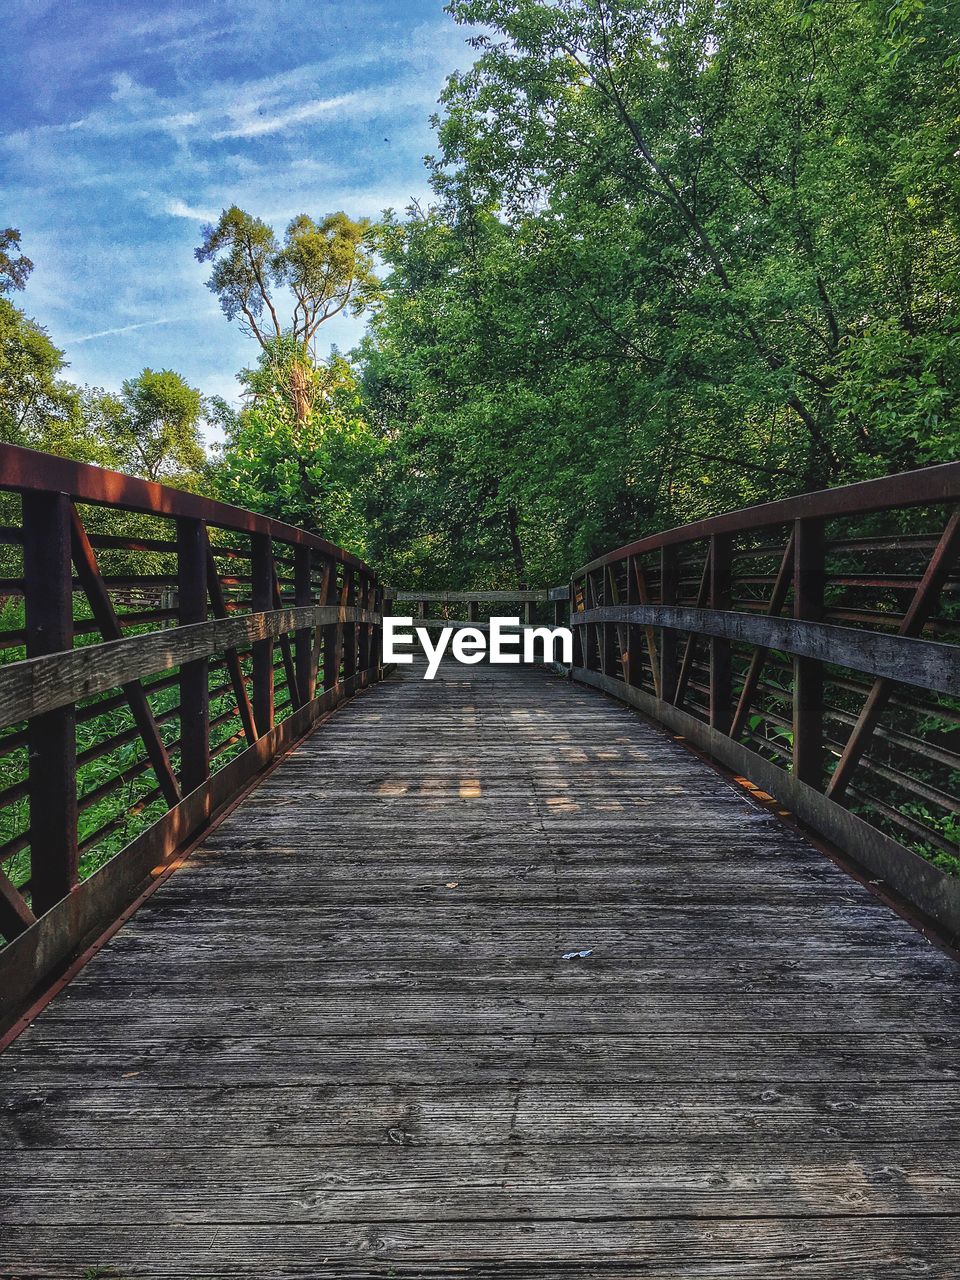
363 629
303 597
380 606
579 639
331 654
52 737
721 549
192 557
669 649
595 645
348 598
261 601
808 584
631 653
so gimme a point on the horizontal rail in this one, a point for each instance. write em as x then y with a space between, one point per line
458 624
913 488
38 685
811 644
27 471
538 596
211 628
925 663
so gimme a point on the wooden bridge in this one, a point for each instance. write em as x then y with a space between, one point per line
315 968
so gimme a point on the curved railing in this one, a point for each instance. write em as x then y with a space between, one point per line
157 650
811 645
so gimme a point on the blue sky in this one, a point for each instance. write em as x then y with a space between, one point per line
125 126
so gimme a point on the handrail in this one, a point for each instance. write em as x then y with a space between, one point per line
54 680
27 471
909 489
686 625
161 649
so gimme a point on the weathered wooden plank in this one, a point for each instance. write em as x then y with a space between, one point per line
343 1036
221 1059
118 1114
927 664
839 1247
166 1013
286 1185
38 685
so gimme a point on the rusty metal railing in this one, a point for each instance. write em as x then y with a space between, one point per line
813 646
157 650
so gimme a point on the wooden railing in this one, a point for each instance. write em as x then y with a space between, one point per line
811 645
473 608
159 650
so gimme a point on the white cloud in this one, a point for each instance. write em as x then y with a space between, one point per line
180 209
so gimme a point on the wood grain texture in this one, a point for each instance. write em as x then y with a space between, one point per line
38 685
343 1039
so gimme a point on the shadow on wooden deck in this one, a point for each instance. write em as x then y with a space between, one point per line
344 1040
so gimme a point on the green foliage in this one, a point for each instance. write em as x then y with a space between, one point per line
310 469
15 267
153 427
33 399
684 256
324 265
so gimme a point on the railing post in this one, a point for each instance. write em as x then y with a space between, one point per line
808 585
669 649
630 654
579 639
721 688
363 628
52 737
380 606
331 649
261 601
471 610
589 629
303 641
608 657
192 558
348 598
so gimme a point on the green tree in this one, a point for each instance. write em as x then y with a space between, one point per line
323 268
154 427
15 267
316 472
686 254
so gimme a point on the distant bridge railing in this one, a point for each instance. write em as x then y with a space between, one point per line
157 651
812 645
447 608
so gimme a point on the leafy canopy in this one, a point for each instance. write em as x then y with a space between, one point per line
325 266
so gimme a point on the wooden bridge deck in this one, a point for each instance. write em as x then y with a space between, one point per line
343 1039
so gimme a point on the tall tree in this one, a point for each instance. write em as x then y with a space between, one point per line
154 426
685 254
322 267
